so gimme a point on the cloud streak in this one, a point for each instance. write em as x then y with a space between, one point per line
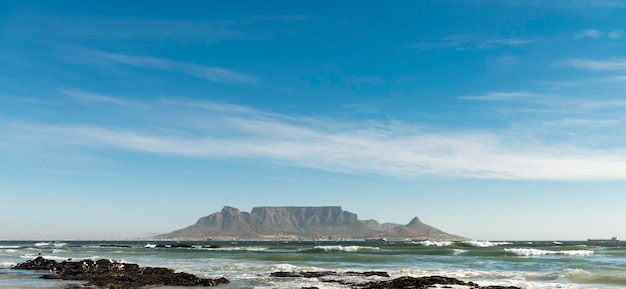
470 42
598 34
594 65
397 149
210 73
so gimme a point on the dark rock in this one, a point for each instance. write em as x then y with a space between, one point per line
398 283
181 246
112 274
368 273
114 246
211 246
38 263
317 274
416 283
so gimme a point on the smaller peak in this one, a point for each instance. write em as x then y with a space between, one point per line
414 221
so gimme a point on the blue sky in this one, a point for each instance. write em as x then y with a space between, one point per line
487 119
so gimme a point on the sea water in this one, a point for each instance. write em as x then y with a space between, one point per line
248 264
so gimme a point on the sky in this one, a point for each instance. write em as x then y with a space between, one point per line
493 120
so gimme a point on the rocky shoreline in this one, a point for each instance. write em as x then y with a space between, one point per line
112 274
405 282
116 275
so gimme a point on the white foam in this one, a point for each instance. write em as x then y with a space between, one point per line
284 267
61 258
11 251
253 249
41 244
458 251
345 248
9 247
493 278
150 246
538 252
486 243
7 264
435 243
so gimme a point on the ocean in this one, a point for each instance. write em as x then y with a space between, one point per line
248 264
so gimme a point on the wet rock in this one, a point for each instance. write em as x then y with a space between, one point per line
211 246
38 263
417 283
114 246
317 274
181 246
112 274
398 283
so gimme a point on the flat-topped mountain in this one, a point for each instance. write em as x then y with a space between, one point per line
300 223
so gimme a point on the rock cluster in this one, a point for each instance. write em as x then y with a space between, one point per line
111 274
398 283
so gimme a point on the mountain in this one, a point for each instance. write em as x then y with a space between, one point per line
318 223
415 229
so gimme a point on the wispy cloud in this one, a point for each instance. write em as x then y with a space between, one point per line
592 64
211 73
590 33
597 34
470 42
245 27
93 97
615 34
567 4
499 96
393 148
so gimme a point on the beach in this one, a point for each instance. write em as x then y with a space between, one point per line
249 264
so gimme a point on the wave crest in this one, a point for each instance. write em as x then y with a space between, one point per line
482 244
539 252
435 243
345 248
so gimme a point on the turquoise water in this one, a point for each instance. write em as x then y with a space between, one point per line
247 264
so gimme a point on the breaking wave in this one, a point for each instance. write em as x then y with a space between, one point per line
482 244
7 264
9 247
538 252
435 243
340 248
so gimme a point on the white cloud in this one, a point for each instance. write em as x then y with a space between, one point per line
591 33
470 42
93 97
211 73
590 64
615 34
597 34
499 96
366 147
569 4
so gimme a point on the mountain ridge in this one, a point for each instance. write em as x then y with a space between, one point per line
300 223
